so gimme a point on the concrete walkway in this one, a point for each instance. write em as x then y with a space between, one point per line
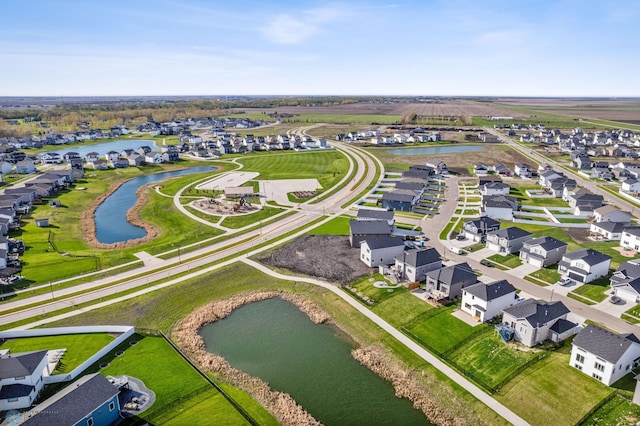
500 409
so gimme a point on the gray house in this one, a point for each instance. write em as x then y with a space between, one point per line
400 199
584 265
543 251
415 263
508 240
477 229
531 320
381 251
367 230
448 282
370 214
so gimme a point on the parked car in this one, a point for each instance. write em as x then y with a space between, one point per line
565 281
456 250
460 237
615 300
486 263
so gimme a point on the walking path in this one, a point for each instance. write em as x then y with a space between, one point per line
499 408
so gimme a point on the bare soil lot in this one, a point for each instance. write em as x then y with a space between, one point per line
327 257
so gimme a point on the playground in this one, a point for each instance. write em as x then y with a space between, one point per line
224 207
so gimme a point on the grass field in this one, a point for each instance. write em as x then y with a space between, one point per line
240 221
549 275
510 261
365 287
79 347
616 412
336 226
443 330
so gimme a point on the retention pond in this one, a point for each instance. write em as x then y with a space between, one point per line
276 342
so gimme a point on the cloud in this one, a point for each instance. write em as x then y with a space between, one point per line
289 29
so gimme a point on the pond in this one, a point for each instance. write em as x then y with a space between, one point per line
447 149
275 341
111 216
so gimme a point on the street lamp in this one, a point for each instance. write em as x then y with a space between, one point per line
51 288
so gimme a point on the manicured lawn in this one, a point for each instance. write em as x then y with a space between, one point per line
240 221
546 202
592 291
552 392
336 226
443 331
79 347
635 315
510 260
401 308
364 287
203 409
490 359
548 275
616 412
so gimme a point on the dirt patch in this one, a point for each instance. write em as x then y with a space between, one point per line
327 257
579 235
301 195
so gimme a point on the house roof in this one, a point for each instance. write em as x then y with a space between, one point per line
628 269
375 214
461 272
603 343
562 326
613 227
379 243
547 243
589 256
606 209
492 290
497 185
537 312
20 364
369 227
483 223
74 402
632 230
16 390
499 201
511 233
420 257
400 195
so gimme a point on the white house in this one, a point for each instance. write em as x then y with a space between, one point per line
381 251
485 301
609 231
531 320
508 240
477 229
630 238
494 188
498 207
631 185
584 265
610 213
523 170
604 355
21 378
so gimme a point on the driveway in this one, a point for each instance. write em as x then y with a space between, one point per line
522 270
615 310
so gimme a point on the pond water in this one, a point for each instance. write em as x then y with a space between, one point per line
447 149
275 341
111 216
103 148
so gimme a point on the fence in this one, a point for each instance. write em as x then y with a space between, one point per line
596 407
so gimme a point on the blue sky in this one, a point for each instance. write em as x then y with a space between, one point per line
413 47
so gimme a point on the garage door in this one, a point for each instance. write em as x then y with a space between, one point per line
576 277
628 295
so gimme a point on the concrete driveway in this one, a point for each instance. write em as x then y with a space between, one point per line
230 179
523 270
277 190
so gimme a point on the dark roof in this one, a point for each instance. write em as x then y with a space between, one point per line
74 402
378 243
627 270
547 243
632 230
589 256
369 227
499 201
399 195
562 326
20 364
511 233
603 343
484 223
613 227
421 257
537 312
453 274
16 390
375 214
492 290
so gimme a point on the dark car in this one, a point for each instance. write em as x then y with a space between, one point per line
486 263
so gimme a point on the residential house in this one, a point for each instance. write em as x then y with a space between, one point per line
50 158
477 229
508 240
498 207
21 378
438 166
601 173
381 251
153 157
523 170
604 355
584 265
100 165
542 251
25 167
547 176
122 163
501 169
400 199
631 186
532 320
135 159
448 282
485 301
494 188
360 230
112 156
6 167
91 400
90 157
625 281
607 231
630 238
610 213
581 161
413 264
370 214
480 169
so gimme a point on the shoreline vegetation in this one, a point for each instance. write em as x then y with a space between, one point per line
281 405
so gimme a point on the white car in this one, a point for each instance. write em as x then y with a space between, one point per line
565 282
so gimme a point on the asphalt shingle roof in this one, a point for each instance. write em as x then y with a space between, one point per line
20 364
603 343
589 256
492 290
537 312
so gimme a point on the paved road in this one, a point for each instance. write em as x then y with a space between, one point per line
502 410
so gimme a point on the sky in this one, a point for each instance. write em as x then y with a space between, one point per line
368 47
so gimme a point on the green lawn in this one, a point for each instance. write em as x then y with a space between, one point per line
79 347
549 275
552 392
243 220
364 287
443 331
202 409
616 412
632 315
510 261
595 290
401 308
336 226
490 359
